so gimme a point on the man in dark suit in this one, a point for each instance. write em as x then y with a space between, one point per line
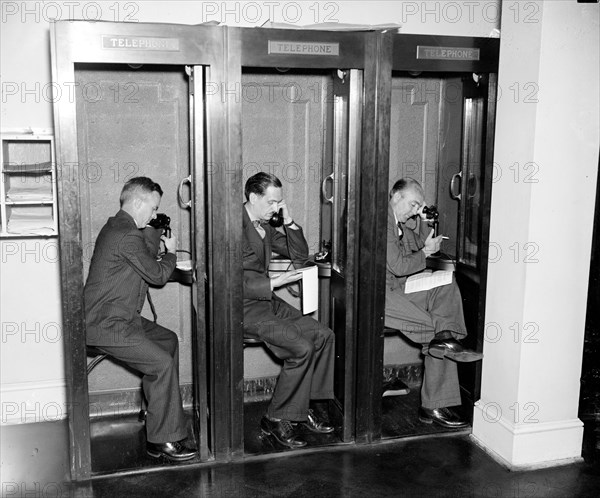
305 346
123 264
434 317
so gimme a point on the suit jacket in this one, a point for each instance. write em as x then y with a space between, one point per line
256 253
404 254
123 264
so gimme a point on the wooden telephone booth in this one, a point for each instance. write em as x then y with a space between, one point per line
140 106
439 130
307 115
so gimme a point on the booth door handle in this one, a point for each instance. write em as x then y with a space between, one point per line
453 181
327 200
183 202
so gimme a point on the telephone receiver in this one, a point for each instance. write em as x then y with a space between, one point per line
277 219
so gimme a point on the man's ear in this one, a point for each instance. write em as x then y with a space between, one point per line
252 198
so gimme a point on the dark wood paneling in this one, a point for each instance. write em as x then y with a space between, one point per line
371 240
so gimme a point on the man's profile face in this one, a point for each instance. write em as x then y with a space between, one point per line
406 204
264 206
146 205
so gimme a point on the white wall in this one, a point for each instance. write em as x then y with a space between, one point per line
541 230
32 382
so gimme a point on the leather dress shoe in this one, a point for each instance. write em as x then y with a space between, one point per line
282 431
175 451
446 417
444 345
313 424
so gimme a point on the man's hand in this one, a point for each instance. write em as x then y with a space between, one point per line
287 217
170 242
432 244
285 278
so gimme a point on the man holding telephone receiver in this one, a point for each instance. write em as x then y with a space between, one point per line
305 346
433 318
124 263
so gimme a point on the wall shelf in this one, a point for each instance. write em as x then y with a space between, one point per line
27 186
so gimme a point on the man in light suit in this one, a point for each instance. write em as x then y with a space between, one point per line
305 346
123 264
433 318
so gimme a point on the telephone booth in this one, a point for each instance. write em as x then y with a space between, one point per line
139 106
306 114
440 132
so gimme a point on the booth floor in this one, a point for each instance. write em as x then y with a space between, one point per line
118 444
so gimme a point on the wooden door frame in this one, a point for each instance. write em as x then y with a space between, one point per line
75 42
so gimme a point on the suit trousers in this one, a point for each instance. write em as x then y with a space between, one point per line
307 350
156 356
419 316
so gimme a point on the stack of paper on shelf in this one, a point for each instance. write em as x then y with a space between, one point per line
30 192
35 220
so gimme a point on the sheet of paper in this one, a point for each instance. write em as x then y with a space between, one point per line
427 280
310 289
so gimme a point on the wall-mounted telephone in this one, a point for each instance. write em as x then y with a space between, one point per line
432 218
162 222
277 219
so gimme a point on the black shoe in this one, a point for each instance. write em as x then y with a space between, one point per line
313 424
394 387
175 452
446 417
444 345
282 431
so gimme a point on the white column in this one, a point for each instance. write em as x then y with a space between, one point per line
546 156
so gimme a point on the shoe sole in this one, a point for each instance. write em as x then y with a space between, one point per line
159 454
430 421
459 357
395 392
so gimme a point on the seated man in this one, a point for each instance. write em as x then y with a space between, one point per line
124 263
305 346
433 318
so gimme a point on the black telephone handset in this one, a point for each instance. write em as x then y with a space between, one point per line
277 219
162 222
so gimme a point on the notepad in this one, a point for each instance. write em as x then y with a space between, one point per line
427 280
310 289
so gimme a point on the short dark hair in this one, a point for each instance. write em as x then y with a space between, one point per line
259 183
406 184
138 185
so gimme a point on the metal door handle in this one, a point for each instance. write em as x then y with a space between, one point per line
180 192
456 176
327 200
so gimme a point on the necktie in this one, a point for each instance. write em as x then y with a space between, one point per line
400 232
259 228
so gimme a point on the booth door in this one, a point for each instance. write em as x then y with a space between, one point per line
471 187
346 153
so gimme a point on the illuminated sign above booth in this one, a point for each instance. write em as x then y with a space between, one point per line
140 43
448 53
303 48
